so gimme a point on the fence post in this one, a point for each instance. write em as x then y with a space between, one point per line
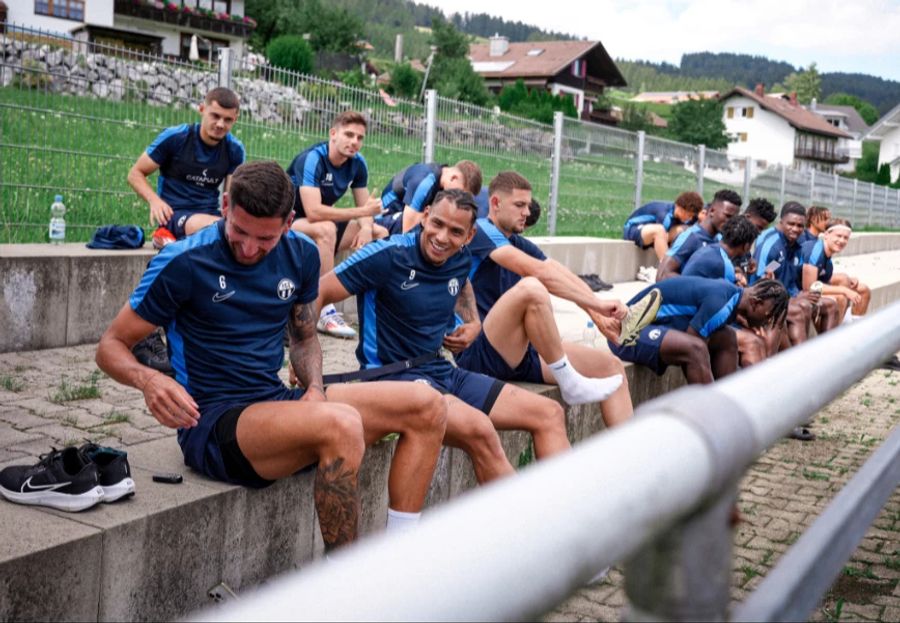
701 167
853 203
555 159
225 67
812 186
748 166
783 185
430 118
639 169
871 203
884 210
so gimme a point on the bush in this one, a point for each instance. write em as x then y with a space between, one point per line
291 52
405 81
535 104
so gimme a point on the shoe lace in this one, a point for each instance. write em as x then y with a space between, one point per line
44 460
159 347
337 319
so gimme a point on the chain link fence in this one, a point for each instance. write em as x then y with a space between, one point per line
75 116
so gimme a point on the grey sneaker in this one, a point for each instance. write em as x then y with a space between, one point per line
640 314
152 352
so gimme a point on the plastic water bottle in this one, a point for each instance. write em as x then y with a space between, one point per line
589 335
57 221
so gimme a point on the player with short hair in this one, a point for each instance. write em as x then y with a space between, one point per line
407 289
852 296
226 294
658 223
760 212
322 174
718 260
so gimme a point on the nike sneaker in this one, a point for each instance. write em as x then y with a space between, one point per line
161 237
114 473
640 314
61 479
333 324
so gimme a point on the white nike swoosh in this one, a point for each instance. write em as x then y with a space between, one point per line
409 286
30 487
218 297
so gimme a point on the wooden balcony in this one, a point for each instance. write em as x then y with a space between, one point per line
193 21
833 156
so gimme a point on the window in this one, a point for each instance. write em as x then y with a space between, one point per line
729 112
65 9
579 68
747 112
742 136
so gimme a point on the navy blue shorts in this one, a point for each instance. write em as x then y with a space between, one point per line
179 220
646 350
481 356
392 221
474 389
222 458
633 233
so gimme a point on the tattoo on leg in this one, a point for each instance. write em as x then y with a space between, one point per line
337 503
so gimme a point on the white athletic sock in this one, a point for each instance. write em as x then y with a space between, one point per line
577 389
398 521
855 318
328 309
848 316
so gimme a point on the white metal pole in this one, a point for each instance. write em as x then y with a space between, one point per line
555 161
430 120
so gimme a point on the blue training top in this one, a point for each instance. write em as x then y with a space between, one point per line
190 171
405 303
415 186
662 212
490 280
225 321
704 304
772 245
813 253
710 262
688 241
312 168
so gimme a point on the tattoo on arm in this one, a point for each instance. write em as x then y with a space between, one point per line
337 503
466 306
306 352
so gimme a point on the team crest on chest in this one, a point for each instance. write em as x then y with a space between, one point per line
285 289
453 286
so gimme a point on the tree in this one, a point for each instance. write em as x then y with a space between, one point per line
635 118
699 122
868 112
290 52
330 28
537 104
405 81
451 72
807 83
884 175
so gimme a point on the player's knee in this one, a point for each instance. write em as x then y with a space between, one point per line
344 431
863 289
532 290
429 410
480 438
695 350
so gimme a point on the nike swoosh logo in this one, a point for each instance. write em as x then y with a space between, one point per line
218 297
409 286
27 487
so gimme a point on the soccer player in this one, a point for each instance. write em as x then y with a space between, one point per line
407 288
817 218
852 296
725 204
519 341
225 295
414 188
691 328
760 212
194 161
658 223
322 174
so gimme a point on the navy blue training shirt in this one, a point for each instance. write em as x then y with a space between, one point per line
490 280
405 303
662 212
312 168
415 186
813 253
190 171
688 241
704 304
773 245
710 262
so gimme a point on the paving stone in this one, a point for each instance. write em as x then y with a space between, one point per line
10 438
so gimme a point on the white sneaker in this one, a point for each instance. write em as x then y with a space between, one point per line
333 324
647 273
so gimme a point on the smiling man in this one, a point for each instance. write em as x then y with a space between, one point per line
225 296
407 289
322 174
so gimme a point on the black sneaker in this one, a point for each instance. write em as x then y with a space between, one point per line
62 480
152 352
114 471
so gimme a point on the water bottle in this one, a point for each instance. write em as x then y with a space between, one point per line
57 221
589 335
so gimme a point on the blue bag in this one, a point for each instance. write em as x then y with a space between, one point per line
117 237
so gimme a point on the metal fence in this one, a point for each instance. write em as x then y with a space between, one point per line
74 116
515 549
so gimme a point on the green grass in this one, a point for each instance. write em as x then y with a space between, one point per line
85 390
11 384
114 417
83 148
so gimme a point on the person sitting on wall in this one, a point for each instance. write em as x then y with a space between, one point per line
658 223
853 297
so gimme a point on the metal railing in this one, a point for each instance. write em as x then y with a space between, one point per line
74 116
515 549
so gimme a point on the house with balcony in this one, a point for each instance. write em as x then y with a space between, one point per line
582 69
777 130
887 132
844 118
151 26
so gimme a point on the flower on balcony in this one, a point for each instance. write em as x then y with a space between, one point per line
250 21
187 9
171 7
223 16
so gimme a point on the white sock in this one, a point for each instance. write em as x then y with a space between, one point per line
328 309
848 316
577 389
855 318
398 521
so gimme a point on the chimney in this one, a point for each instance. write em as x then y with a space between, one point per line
793 98
499 45
760 89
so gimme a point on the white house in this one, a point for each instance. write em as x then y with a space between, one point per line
887 131
776 130
844 118
152 26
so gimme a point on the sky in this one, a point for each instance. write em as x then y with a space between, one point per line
846 35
